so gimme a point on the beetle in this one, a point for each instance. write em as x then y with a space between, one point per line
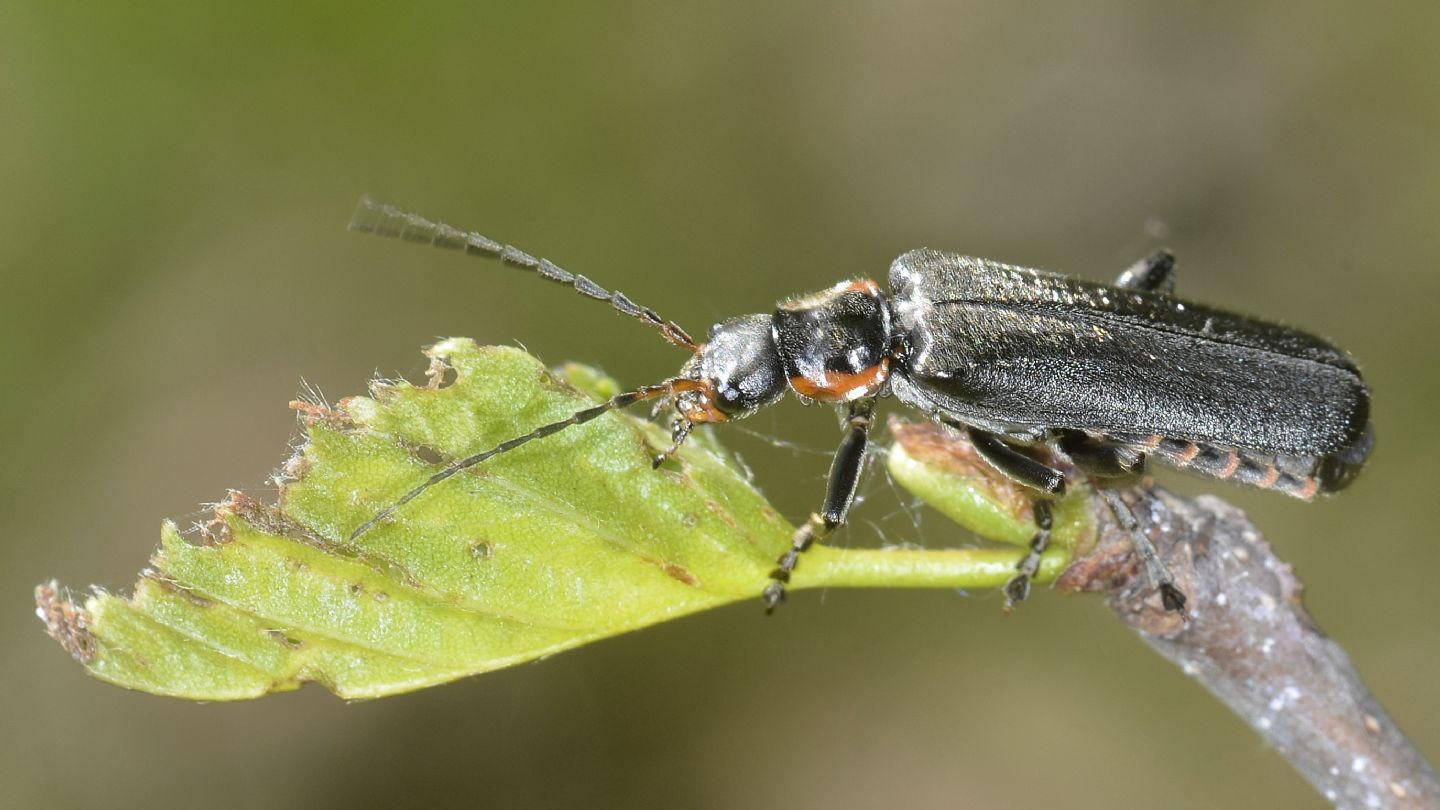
1010 358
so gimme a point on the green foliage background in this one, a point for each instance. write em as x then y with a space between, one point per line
177 178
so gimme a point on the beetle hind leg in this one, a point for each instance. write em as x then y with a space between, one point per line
1155 569
1116 460
1098 459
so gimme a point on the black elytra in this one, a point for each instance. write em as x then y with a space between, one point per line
1108 375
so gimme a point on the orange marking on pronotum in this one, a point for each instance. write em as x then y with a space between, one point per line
863 285
836 386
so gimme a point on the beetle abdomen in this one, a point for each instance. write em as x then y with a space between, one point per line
1297 475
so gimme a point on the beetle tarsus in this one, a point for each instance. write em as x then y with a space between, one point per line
1156 572
1018 588
679 432
803 538
774 595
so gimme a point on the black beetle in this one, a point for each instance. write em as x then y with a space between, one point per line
1010 357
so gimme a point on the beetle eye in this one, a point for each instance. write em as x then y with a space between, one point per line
729 400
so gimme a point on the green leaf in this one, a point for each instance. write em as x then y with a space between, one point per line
560 542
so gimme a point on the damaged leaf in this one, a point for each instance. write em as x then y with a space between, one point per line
558 543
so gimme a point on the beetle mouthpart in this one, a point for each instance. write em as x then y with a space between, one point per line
697 403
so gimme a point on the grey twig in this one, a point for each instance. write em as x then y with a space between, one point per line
1251 643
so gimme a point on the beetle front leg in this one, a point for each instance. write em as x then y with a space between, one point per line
839 494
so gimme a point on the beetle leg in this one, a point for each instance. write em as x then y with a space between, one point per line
1153 274
1108 459
839 494
1031 473
1015 464
1101 458
1155 569
1018 588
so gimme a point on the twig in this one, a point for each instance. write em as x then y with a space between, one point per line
1251 643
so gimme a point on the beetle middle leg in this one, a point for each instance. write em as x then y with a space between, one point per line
1046 481
839 495
1098 459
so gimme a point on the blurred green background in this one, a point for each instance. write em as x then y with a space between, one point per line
176 180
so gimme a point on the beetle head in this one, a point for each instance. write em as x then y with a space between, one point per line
738 372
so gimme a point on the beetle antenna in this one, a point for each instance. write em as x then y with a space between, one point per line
387 220
626 399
